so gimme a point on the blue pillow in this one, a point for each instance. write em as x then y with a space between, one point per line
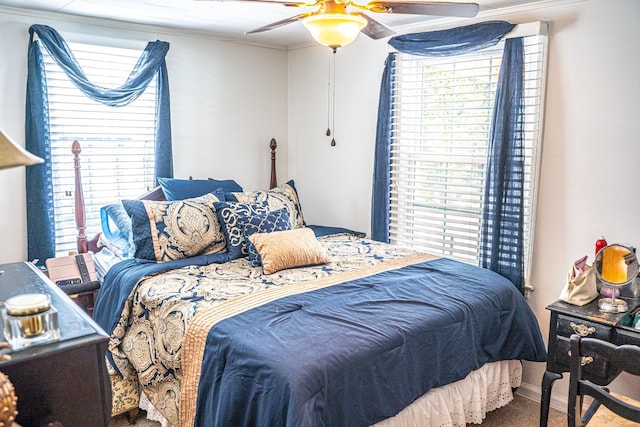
264 223
228 214
180 189
166 231
116 228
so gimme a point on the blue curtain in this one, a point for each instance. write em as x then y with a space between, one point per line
501 240
381 167
40 215
458 41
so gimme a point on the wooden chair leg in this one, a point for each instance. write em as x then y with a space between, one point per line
132 415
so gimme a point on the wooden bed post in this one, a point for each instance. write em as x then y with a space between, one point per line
81 219
273 145
83 244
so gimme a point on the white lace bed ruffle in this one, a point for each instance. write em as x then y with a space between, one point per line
452 405
462 402
152 413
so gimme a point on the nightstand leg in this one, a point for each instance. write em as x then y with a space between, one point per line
547 383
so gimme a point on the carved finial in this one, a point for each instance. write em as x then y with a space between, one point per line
81 220
274 180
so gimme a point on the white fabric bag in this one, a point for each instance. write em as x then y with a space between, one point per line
580 288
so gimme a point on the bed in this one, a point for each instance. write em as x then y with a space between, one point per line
271 321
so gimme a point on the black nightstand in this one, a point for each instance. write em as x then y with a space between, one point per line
66 380
587 321
83 294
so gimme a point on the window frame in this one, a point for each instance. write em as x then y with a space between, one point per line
530 31
93 154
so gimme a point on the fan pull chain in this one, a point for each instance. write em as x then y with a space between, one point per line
328 133
332 65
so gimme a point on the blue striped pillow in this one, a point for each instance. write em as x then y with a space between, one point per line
269 222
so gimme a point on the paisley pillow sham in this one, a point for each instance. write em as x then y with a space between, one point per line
282 196
166 231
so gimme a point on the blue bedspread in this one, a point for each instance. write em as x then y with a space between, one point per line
356 353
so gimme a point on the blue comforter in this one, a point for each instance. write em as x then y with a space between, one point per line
356 353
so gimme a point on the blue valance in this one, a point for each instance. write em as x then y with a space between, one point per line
40 218
454 41
148 65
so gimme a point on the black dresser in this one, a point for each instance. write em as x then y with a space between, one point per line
587 321
64 381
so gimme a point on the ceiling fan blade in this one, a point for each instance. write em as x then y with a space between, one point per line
375 29
277 24
462 10
283 2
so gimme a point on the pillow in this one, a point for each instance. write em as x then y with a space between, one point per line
283 196
264 223
228 215
166 231
180 189
287 249
116 229
105 245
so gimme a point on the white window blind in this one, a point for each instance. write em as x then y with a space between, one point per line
442 110
118 143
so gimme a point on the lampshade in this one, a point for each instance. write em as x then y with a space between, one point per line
11 154
334 29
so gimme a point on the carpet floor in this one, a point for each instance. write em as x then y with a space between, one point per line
521 412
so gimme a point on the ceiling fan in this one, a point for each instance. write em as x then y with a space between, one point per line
337 23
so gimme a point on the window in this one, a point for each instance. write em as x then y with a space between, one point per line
441 118
117 143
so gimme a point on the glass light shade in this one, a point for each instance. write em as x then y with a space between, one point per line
334 29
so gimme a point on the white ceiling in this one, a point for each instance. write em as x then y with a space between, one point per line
227 19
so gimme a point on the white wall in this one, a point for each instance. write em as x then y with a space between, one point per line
335 182
227 101
590 166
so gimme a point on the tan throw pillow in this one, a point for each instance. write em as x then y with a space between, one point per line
287 249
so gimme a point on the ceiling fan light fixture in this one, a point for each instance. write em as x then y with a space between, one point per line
334 29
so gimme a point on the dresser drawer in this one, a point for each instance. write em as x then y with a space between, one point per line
570 325
598 369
